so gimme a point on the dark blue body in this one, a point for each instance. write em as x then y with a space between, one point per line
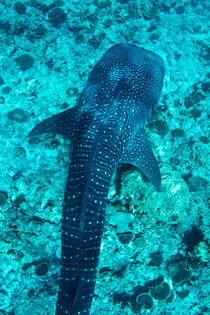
106 129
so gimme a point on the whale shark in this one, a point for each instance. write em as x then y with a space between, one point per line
106 129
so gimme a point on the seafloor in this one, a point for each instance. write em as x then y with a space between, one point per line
156 246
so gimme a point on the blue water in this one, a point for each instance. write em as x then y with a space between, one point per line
155 251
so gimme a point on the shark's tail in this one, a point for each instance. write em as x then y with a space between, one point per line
82 229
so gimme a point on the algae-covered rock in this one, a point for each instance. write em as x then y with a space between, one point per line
204 139
1 80
159 126
170 205
150 13
6 90
182 274
41 269
192 237
3 198
180 9
139 242
24 61
183 293
121 220
103 3
132 187
125 237
57 16
19 200
156 259
178 132
196 183
19 7
145 301
18 114
202 250
40 31
161 292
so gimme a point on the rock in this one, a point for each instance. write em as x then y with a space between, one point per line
161 292
103 3
19 7
18 115
42 269
145 301
57 16
24 61
1 80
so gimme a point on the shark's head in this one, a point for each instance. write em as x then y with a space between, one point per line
130 75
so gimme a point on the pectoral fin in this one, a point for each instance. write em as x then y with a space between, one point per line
139 153
63 123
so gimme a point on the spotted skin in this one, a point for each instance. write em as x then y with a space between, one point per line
106 129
